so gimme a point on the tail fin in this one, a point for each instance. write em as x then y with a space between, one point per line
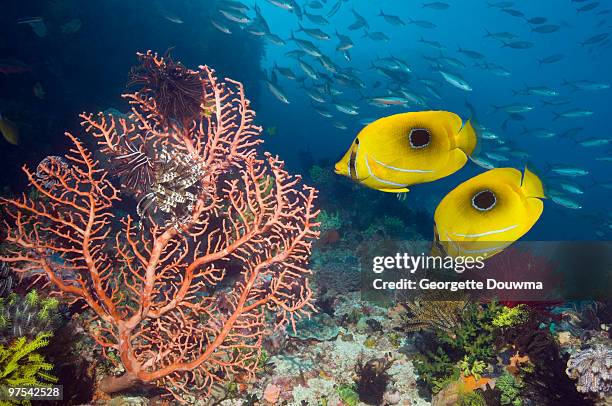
381 13
557 115
471 109
531 185
467 139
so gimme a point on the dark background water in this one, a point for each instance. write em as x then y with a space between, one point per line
87 71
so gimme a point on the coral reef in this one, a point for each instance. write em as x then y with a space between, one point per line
459 390
372 379
444 316
510 390
475 335
538 361
471 399
7 279
511 316
592 370
154 290
348 394
463 353
320 327
329 221
337 270
434 368
320 175
27 316
175 90
312 372
472 368
21 365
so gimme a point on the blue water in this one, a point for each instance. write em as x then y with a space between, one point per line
86 71
464 25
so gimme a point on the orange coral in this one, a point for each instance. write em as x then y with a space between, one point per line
154 287
516 361
471 383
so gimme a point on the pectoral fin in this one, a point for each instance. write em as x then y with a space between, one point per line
389 190
456 160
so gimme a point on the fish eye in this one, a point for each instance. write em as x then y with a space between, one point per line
419 137
484 200
356 141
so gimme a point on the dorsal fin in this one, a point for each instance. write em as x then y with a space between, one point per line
531 185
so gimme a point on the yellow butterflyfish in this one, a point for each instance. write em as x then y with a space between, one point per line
9 131
488 212
404 149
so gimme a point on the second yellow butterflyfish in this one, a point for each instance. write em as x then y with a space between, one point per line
488 212
394 152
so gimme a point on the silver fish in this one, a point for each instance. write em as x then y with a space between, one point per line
574 113
347 108
308 70
595 142
345 42
315 33
456 81
283 4
306 46
569 171
518 44
316 19
565 202
277 92
391 19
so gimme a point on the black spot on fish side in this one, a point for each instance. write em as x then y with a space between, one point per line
419 137
484 200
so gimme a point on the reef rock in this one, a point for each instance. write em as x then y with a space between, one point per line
271 393
320 327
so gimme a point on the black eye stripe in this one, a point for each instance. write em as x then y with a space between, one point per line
419 137
484 200
352 164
